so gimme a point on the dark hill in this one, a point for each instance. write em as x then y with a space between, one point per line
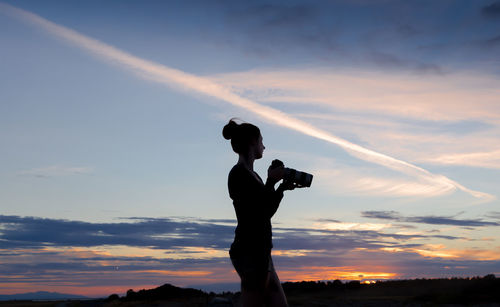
164 292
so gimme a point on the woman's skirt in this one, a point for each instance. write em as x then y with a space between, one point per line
253 270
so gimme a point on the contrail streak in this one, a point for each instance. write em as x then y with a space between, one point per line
170 76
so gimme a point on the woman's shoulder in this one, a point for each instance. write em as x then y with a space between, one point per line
238 179
238 170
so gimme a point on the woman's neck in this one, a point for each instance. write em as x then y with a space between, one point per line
246 161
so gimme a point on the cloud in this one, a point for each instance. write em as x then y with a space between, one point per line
338 179
290 28
349 182
430 219
371 36
388 60
423 120
56 171
155 233
454 97
489 159
98 273
139 252
179 79
275 15
494 215
83 244
491 42
172 234
492 10
416 140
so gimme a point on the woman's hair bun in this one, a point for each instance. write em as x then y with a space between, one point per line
229 129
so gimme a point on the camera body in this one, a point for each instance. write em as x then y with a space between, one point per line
301 179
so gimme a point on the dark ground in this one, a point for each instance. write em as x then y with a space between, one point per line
478 291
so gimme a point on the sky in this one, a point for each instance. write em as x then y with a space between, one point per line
113 168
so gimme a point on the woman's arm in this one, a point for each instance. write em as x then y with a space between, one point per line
275 174
272 198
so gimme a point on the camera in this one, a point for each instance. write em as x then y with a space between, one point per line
301 179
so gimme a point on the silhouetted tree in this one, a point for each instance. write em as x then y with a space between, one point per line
113 297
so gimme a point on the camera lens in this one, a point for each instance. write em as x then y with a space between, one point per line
302 179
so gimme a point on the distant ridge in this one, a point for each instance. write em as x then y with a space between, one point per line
167 291
41 295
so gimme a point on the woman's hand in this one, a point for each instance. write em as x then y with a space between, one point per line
275 174
287 186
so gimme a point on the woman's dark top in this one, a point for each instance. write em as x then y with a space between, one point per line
255 203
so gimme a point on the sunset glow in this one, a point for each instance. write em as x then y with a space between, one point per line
329 273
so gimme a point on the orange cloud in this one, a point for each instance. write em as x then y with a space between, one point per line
440 251
177 273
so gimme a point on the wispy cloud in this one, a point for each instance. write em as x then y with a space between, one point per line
56 171
179 79
494 215
347 181
455 96
354 226
429 219
420 141
392 61
489 159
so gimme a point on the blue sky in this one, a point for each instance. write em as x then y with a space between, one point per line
111 116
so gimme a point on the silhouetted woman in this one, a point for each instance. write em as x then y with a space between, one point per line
255 202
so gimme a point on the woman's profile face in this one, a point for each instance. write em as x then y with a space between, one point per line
259 148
